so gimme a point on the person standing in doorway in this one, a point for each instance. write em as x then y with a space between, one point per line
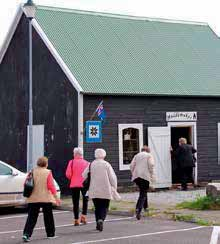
142 170
74 172
43 196
103 186
185 159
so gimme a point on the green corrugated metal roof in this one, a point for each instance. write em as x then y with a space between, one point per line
114 54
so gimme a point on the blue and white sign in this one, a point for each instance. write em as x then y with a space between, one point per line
93 131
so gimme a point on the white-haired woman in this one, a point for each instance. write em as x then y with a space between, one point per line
103 185
74 172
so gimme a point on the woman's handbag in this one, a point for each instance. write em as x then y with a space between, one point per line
28 185
86 182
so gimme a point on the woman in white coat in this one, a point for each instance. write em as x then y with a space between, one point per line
103 185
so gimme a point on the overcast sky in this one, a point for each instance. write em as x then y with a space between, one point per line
193 10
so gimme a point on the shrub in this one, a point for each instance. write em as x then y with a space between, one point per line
201 203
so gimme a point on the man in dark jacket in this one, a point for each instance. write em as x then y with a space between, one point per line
185 159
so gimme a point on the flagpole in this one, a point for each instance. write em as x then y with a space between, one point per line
95 111
93 115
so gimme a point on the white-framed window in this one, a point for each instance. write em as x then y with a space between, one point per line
130 143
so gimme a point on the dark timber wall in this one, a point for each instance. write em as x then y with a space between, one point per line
54 104
151 111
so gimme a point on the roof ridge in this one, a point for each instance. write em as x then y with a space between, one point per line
122 16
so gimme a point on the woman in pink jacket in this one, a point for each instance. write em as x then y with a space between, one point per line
74 172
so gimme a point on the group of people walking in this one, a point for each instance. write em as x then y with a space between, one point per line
102 187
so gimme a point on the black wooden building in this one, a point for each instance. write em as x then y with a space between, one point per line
159 80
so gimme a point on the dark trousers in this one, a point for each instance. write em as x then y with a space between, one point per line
143 188
75 198
186 176
33 212
101 208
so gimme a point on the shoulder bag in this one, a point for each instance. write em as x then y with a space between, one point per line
86 182
28 185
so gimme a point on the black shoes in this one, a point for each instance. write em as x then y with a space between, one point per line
99 225
184 189
138 215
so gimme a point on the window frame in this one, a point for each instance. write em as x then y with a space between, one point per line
5 166
121 127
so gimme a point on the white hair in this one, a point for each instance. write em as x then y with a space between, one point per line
100 153
78 151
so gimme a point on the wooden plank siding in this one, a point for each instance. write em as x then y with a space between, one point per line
55 104
151 111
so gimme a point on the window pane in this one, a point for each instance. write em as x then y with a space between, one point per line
4 170
130 144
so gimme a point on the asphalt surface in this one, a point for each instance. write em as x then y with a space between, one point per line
116 230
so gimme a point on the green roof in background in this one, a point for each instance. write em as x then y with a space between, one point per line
115 54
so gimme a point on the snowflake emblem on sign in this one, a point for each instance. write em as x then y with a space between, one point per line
94 131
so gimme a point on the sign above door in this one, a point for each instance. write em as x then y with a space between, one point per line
181 116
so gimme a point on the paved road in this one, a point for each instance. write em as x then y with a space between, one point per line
116 230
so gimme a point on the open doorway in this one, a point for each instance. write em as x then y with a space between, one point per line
176 133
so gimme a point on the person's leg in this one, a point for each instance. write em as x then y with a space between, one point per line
97 210
33 212
48 219
143 187
146 198
85 200
137 181
184 179
190 175
104 205
75 199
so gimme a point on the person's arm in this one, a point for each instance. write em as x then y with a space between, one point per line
85 172
112 176
151 168
51 187
69 170
132 165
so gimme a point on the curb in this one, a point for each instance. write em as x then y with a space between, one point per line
125 213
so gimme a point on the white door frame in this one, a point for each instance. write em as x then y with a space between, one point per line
194 135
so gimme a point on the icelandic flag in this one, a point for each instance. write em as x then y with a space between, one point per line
100 111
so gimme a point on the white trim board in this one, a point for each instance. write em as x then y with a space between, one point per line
10 33
194 131
56 55
80 120
47 42
69 75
